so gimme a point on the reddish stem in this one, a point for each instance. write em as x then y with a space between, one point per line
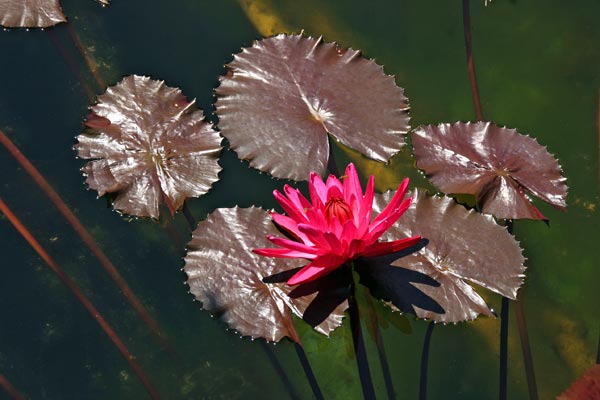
72 65
93 67
10 389
88 240
470 63
130 358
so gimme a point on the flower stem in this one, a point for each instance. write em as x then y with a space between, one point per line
526 348
360 350
187 213
470 62
279 370
425 361
503 348
385 367
312 380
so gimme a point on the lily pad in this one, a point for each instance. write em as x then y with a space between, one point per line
285 94
149 145
248 291
463 245
30 13
497 165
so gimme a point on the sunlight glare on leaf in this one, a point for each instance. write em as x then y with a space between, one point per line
243 289
30 13
150 145
282 96
463 245
498 165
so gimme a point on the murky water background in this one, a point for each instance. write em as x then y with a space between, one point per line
538 66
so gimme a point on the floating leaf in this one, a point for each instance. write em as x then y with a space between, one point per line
587 387
283 95
463 245
248 291
496 164
149 145
30 13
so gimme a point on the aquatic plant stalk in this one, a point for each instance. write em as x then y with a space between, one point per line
279 370
470 62
90 93
81 297
503 370
425 361
526 348
360 351
310 376
89 241
385 367
90 62
10 389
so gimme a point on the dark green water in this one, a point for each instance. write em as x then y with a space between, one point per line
538 65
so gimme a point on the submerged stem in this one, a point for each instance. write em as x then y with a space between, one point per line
362 362
81 297
312 380
89 241
470 62
526 348
385 367
425 361
503 348
279 370
10 389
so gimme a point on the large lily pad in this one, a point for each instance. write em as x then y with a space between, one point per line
30 13
248 291
282 96
463 245
149 145
498 165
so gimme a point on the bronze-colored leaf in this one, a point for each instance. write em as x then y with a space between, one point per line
463 245
498 165
149 145
30 13
248 291
586 387
282 96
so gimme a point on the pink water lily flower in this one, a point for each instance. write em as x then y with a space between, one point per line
335 226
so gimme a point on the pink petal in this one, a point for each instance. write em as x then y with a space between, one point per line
283 253
317 190
381 248
377 229
316 235
291 226
293 245
289 207
319 267
393 204
352 185
367 202
296 197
